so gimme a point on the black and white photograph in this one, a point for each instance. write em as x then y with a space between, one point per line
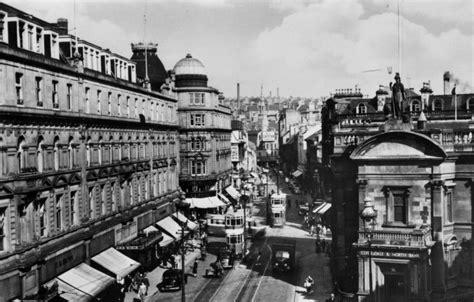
237 150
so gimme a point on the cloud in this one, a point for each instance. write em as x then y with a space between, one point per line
328 45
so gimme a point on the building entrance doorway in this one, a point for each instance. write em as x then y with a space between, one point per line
394 288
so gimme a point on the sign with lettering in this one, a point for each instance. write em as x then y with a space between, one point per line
390 254
268 136
234 153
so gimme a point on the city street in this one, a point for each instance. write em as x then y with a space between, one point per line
256 281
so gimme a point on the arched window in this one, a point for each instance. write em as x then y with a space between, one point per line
415 106
70 153
130 191
39 155
361 109
56 154
437 105
470 104
21 154
88 152
114 197
101 145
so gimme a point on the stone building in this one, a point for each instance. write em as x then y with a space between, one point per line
89 158
415 177
205 129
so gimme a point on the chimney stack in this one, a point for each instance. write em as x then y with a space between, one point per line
238 96
446 81
62 26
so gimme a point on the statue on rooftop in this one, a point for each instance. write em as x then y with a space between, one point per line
398 96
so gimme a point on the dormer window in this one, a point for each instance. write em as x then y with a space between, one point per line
438 105
361 109
415 106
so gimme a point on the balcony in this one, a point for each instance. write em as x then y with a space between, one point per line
419 238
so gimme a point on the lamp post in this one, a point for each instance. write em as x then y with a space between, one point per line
182 204
243 200
369 215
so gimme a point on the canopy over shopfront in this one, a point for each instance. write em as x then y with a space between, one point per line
116 262
205 202
322 209
297 173
223 198
171 227
183 219
233 193
167 240
81 283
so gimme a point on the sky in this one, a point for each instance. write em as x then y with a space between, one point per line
302 48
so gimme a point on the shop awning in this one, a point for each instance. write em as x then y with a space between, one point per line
166 240
150 229
233 192
322 209
205 202
223 198
297 173
171 227
116 262
183 219
82 283
254 175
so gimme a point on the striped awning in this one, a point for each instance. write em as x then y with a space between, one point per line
322 209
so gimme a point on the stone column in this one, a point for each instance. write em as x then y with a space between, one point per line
437 254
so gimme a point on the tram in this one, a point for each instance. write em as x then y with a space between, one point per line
216 225
234 228
277 207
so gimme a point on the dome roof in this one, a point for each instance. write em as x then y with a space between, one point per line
189 65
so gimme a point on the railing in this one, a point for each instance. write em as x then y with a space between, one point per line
417 238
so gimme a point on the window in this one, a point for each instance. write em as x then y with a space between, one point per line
470 104
415 106
198 167
58 212
109 103
91 203
38 83
437 105
42 217
87 100
56 152
136 107
197 119
54 96
73 204
19 88
119 108
197 144
128 106
361 109
449 206
196 98
2 26
399 208
2 228
103 208
99 94
69 96
30 37
39 156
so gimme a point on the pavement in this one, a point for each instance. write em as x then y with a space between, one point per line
155 276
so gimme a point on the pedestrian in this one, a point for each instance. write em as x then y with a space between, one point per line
323 245
318 245
331 298
195 268
142 291
311 230
232 259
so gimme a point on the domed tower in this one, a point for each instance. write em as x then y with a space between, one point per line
157 74
190 72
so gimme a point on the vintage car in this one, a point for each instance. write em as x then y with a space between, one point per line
172 280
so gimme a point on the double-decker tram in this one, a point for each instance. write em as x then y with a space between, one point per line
277 210
234 228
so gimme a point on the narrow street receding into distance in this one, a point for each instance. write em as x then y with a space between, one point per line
256 281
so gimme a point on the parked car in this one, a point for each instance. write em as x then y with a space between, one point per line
172 280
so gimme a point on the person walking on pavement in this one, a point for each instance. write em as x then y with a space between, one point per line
142 291
331 298
195 268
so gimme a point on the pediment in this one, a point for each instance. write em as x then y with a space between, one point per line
399 145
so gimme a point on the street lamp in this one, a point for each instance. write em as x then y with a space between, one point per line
182 204
369 215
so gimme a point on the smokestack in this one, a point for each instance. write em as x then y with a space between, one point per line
238 96
446 81
278 92
62 26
